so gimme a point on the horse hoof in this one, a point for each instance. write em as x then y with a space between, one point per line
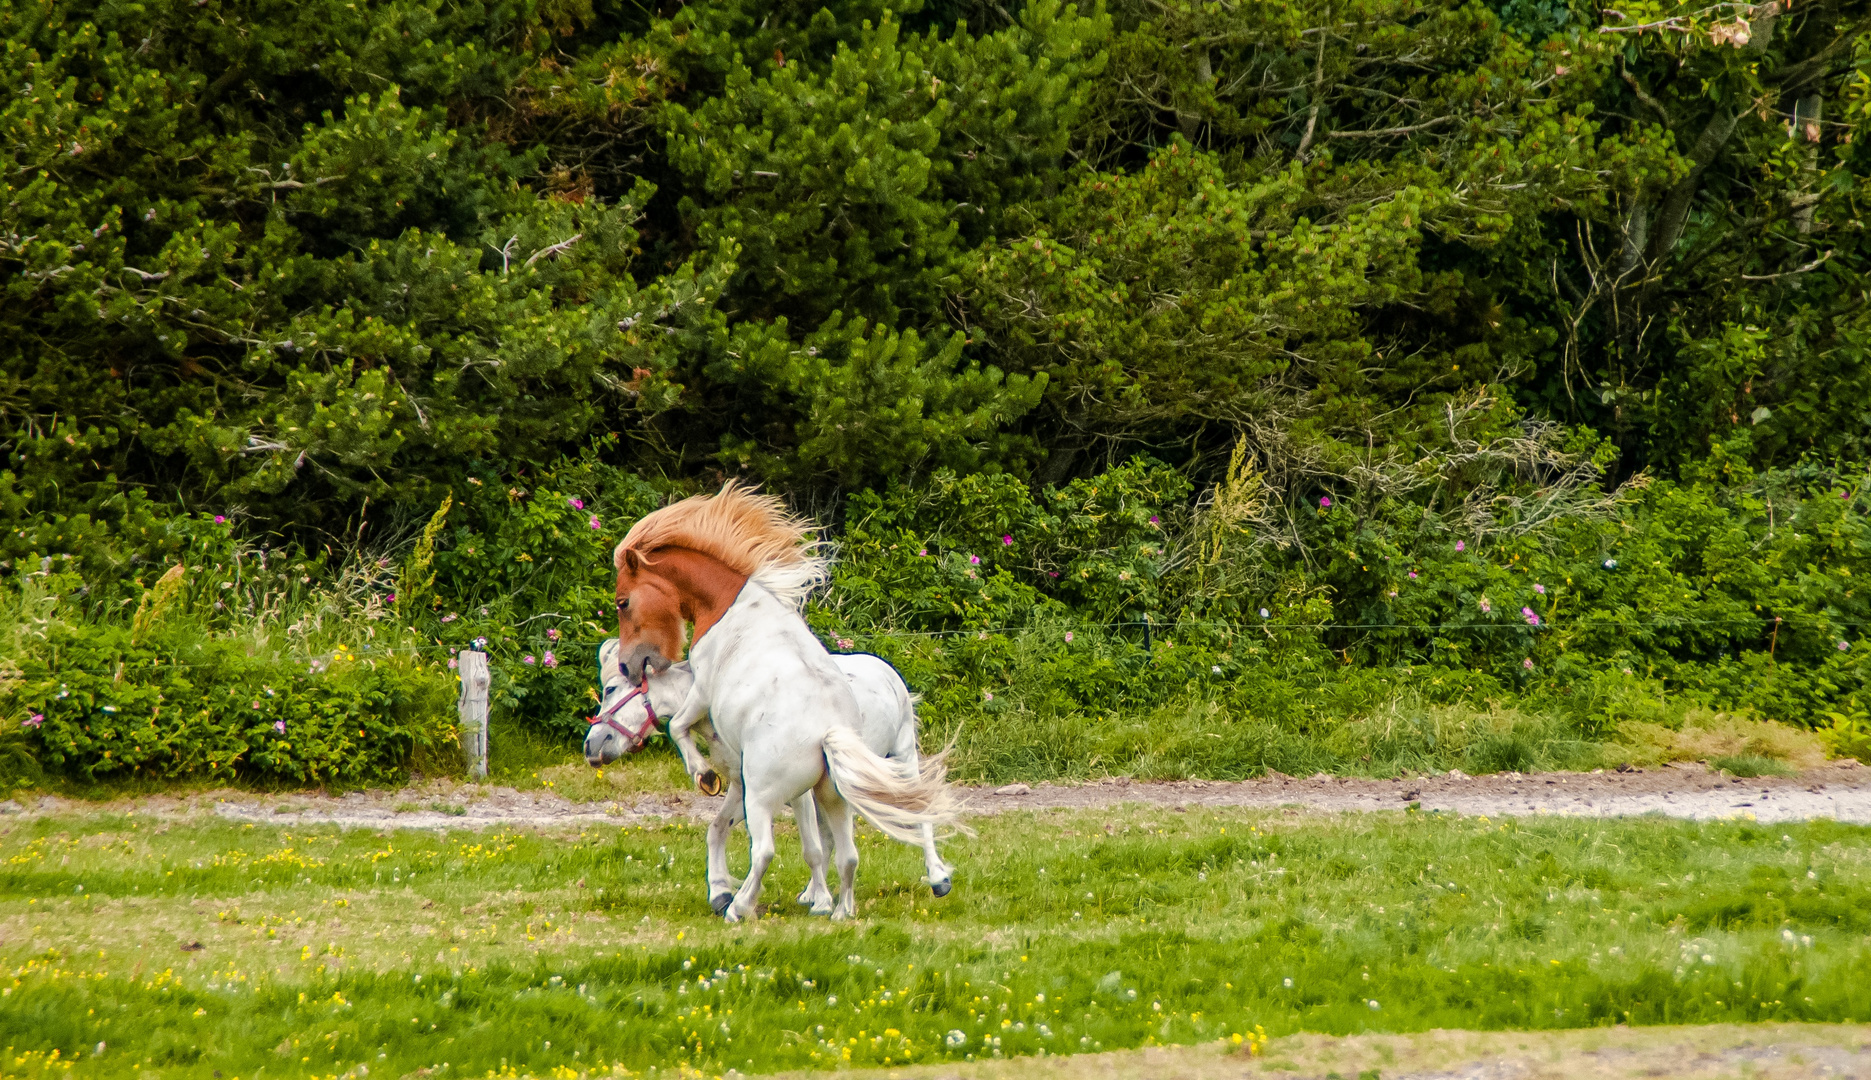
941 888
720 902
710 783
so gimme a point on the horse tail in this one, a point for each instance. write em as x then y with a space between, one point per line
897 804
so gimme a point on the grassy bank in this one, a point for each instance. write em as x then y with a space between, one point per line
320 950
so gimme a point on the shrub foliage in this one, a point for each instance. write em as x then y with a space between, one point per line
1290 358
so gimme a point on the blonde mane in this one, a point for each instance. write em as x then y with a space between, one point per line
753 534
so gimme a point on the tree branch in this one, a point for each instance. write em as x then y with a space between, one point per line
1380 133
557 249
1644 96
1312 113
1814 265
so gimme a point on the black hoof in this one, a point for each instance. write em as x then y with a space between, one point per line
720 902
941 889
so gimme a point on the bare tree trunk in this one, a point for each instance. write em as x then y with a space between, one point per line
1190 123
1806 119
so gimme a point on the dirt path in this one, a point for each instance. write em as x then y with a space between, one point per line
1756 1052
1840 791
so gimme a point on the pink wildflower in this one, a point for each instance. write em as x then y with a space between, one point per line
528 659
1325 502
1541 589
552 634
577 504
34 720
1006 541
595 524
974 560
220 519
1532 619
1527 663
550 660
1486 607
923 554
1459 546
279 726
1068 637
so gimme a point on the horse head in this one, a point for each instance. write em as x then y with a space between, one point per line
627 711
650 613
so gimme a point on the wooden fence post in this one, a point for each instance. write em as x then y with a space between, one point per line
473 709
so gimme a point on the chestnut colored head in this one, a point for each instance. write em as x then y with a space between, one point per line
650 614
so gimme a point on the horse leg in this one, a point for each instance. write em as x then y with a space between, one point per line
909 763
760 843
842 821
681 733
940 873
721 883
812 844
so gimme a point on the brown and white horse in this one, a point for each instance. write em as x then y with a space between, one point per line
735 567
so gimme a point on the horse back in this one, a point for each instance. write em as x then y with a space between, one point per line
886 708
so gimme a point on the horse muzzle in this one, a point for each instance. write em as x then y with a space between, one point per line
643 660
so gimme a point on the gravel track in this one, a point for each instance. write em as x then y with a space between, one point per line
1840 791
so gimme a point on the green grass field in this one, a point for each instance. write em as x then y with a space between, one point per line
314 951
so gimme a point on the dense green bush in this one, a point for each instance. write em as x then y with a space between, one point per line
181 686
105 706
1179 364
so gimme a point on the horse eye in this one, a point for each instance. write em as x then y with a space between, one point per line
623 602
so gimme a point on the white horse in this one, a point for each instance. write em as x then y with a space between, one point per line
625 720
735 567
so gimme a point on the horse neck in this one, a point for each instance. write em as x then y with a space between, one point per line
669 689
757 625
707 586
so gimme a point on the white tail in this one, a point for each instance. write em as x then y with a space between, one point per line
898 805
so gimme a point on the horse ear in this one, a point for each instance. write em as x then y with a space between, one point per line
628 559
